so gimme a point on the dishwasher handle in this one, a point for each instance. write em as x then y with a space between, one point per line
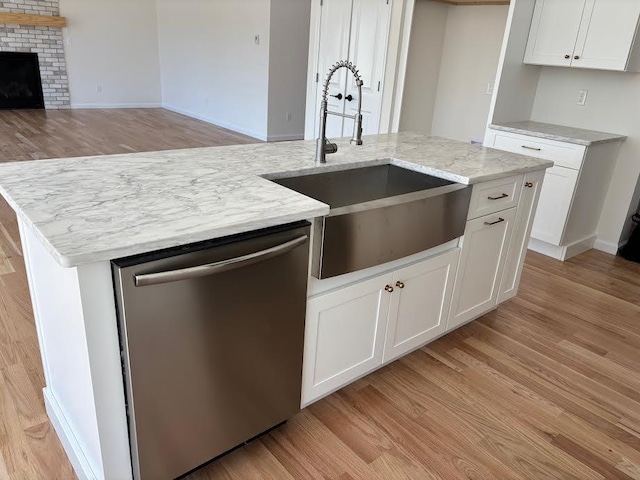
217 267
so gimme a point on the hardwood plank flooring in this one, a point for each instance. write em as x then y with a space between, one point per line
546 386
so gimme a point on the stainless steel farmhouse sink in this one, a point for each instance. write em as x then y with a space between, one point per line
379 214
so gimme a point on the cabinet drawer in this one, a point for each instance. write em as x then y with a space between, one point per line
566 155
495 196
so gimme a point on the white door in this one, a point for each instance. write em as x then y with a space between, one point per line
335 32
554 205
368 51
357 31
420 304
520 236
607 34
484 251
344 336
554 31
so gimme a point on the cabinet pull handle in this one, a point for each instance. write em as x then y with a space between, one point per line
504 195
500 220
531 148
399 284
528 185
389 288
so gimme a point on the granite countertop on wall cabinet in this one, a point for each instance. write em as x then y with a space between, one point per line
92 209
559 133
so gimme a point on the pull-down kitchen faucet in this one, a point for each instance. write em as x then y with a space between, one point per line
323 145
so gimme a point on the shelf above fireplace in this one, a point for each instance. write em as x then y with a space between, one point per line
30 19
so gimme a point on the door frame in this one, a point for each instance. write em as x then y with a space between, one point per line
394 70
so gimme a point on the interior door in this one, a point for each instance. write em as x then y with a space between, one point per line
554 31
368 51
606 34
335 31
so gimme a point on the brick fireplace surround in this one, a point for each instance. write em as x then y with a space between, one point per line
47 42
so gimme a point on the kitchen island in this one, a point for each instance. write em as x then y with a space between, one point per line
77 215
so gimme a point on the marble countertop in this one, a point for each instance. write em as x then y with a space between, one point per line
92 209
559 133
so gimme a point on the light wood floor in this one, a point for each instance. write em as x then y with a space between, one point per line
547 386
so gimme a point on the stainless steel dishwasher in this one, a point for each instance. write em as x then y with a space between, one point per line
212 339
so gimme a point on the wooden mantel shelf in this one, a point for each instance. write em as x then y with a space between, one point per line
29 19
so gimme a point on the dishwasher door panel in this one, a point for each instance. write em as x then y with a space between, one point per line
211 361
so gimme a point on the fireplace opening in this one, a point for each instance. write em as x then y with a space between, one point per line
20 82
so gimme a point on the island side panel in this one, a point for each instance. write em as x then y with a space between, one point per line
75 319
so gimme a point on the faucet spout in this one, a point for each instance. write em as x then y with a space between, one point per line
323 145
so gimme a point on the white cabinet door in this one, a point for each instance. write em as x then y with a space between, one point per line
368 51
520 237
555 202
484 249
420 303
607 34
344 336
554 31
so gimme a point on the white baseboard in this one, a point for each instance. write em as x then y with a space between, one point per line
607 247
564 252
108 106
69 441
216 122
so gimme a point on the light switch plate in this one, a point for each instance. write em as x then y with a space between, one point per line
582 97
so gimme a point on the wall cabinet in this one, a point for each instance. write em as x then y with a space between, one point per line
356 329
598 34
484 253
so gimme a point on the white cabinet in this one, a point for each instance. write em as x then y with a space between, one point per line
555 204
354 330
484 252
597 34
533 184
573 193
344 336
420 304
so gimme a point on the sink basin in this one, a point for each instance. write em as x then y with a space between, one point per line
360 185
379 214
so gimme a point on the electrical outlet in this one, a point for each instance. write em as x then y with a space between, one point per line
490 87
582 97
99 88
288 117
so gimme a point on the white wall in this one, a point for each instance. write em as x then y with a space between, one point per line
453 55
112 44
423 66
469 63
288 58
612 106
211 67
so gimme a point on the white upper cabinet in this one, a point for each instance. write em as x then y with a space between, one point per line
554 30
597 34
607 35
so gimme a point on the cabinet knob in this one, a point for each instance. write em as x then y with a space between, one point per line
577 57
399 284
528 185
567 57
389 288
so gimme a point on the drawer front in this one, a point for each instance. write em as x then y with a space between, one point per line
566 155
495 196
